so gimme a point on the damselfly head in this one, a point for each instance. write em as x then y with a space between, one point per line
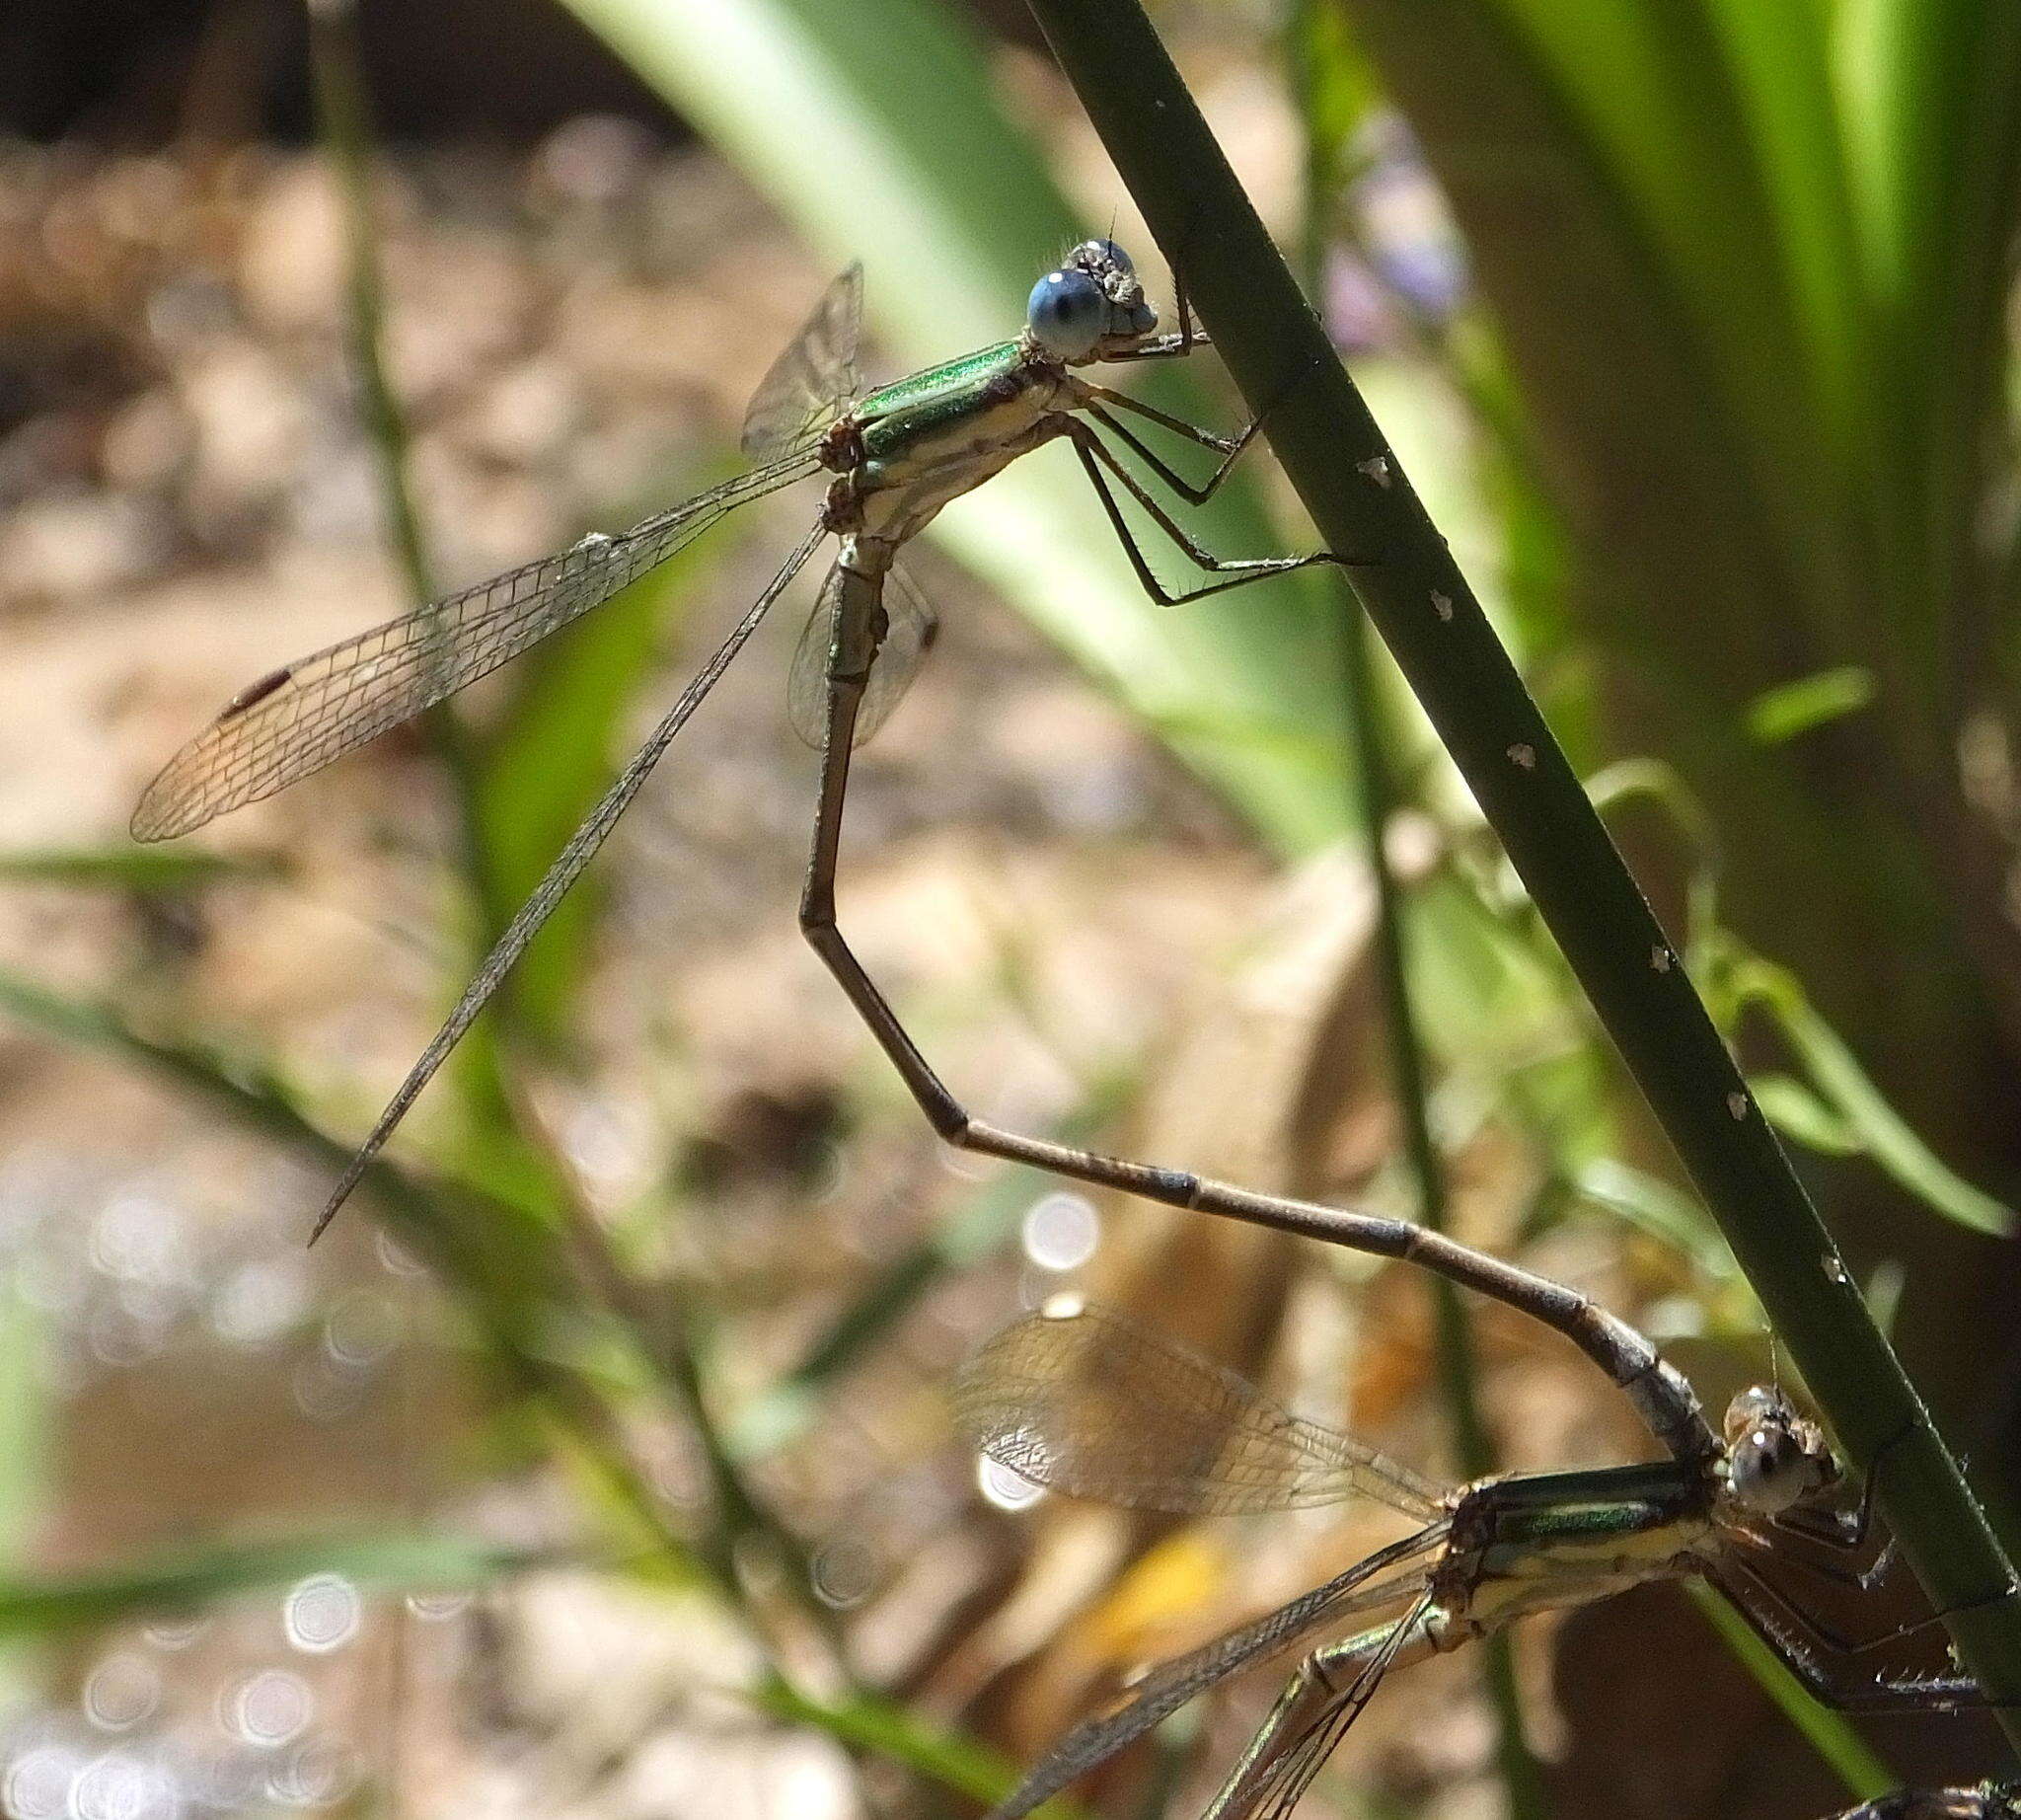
1775 1459
1092 303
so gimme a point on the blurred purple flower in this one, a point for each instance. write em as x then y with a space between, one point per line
1413 260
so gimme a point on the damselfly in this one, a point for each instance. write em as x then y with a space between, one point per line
1989 1800
896 457
1080 1399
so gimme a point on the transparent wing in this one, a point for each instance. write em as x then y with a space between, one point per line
814 376
910 628
320 706
1291 1774
1166 1689
563 873
1086 1402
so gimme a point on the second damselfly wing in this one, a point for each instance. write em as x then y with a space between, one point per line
813 380
911 627
1082 1400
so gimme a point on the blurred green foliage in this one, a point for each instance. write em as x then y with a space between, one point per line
1741 430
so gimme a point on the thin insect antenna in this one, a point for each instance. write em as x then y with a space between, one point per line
1774 1363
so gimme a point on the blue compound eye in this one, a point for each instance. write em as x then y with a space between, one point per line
1068 314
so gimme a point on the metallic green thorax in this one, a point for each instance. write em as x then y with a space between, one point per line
1562 1539
1543 1508
920 402
910 448
930 382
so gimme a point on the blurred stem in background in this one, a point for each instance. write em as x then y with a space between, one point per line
1328 128
343 125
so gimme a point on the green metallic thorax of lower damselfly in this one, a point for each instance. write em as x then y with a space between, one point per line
1556 1539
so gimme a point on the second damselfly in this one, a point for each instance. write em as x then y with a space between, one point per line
1080 1399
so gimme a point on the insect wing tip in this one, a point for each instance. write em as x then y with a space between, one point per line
159 816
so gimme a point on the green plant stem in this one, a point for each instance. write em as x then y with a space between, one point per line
1851 1758
1409 1086
1459 1368
664 1334
1355 489
343 127
1375 800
